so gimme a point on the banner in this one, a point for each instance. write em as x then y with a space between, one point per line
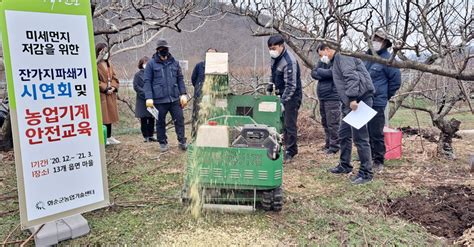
55 108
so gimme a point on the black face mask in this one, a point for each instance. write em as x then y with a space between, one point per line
164 52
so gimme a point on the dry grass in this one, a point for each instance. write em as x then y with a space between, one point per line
320 208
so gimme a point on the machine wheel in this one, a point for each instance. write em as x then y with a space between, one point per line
267 200
185 200
277 203
273 200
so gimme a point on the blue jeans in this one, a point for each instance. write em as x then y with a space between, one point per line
361 141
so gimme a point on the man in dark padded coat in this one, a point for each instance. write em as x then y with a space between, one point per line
353 84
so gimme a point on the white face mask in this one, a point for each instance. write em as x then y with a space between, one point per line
325 59
274 53
377 45
106 56
144 65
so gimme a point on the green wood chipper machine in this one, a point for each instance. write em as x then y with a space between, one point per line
235 162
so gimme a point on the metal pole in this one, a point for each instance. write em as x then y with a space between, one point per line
255 63
387 23
263 55
255 77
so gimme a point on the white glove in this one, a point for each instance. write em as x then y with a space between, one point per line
282 107
149 103
183 100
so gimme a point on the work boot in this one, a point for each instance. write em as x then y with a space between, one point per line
340 170
163 147
288 158
359 179
150 139
378 168
183 146
331 152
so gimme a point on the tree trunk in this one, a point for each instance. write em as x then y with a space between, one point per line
6 138
93 5
315 111
448 131
403 93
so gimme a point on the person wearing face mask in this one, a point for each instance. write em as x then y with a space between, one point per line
165 89
329 104
287 82
147 121
197 79
387 81
353 85
108 85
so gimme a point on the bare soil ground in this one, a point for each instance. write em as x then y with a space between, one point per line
446 211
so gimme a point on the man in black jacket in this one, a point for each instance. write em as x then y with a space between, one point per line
353 85
164 88
287 82
329 106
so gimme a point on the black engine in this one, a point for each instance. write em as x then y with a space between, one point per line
258 136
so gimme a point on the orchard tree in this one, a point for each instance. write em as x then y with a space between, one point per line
433 38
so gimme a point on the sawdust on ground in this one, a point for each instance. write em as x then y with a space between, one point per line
237 236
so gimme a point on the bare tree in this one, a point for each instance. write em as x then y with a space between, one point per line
6 139
437 96
433 38
423 31
2 67
131 24
410 79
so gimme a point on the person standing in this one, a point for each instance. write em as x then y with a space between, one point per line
197 79
147 121
287 82
108 85
329 106
386 81
354 85
164 88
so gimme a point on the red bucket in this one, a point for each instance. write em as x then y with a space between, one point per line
393 143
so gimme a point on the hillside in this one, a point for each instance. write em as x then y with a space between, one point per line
230 34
